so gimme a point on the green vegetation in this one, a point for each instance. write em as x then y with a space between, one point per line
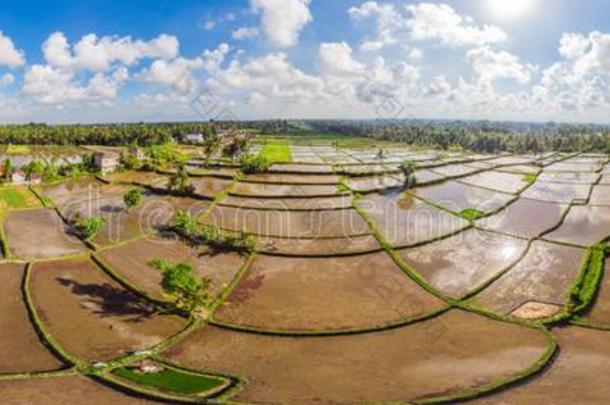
132 198
179 182
8 169
255 164
18 150
165 156
277 152
236 148
472 214
408 168
13 198
179 283
186 226
88 228
172 380
530 178
584 289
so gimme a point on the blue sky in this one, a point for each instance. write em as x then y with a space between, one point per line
100 61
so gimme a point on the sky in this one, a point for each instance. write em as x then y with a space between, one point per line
166 60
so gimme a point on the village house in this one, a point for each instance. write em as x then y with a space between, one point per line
194 138
136 153
106 162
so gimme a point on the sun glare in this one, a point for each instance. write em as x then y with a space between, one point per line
510 9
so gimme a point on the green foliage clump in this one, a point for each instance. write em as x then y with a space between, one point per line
132 198
255 164
530 178
472 214
186 226
179 182
179 282
88 227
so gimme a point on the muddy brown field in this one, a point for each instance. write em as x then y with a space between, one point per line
91 315
40 234
423 360
22 349
325 294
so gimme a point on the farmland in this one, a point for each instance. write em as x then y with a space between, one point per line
483 280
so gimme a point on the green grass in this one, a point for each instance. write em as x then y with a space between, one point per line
18 150
13 198
472 214
172 380
277 152
530 178
584 289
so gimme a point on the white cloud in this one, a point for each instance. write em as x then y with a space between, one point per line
209 25
491 65
6 79
9 55
99 54
166 72
389 23
245 33
283 20
336 59
573 46
440 22
49 85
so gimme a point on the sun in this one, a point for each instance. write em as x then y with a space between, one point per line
510 9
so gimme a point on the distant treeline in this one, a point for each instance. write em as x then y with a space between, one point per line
485 136
144 134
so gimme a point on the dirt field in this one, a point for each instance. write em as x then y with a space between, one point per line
35 234
332 294
22 350
578 376
460 264
131 260
61 390
288 204
427 359
91 315
315 247
290 224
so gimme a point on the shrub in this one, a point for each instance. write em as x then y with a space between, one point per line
179 282
88 228
132 198
255 164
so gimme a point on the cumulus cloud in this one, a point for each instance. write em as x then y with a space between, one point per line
491 65
168 72
283 20
50 85
440 22
336 59
9 55
245 33
6 79
98 54
389 23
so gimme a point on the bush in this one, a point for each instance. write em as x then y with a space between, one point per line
255 164
179 283
132 198
88 228
186 226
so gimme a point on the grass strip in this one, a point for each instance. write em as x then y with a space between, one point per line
172 380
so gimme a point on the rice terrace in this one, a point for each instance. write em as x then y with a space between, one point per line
313 268
304 202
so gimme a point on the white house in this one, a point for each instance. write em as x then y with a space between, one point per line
19 178
106 162
194 138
